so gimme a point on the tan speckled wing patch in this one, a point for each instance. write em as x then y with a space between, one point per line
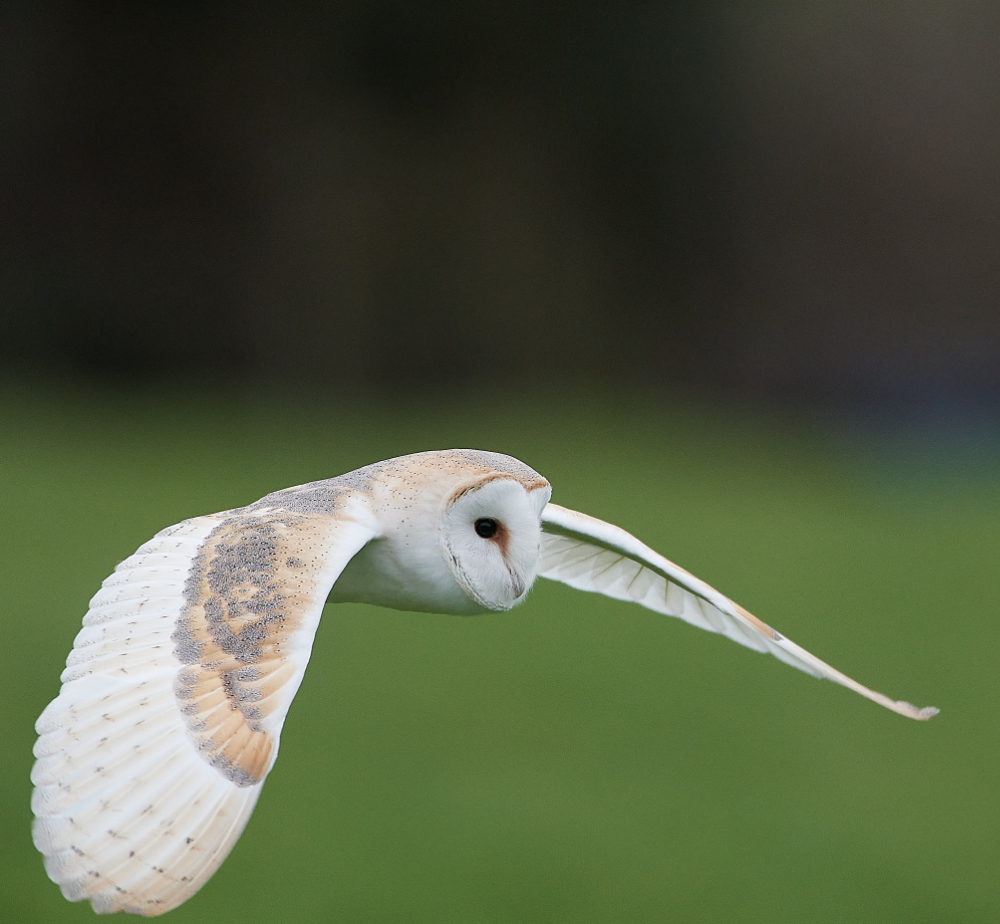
251 585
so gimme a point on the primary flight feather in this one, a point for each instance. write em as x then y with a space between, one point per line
152 757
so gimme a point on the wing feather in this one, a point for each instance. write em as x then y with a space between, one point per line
152 757
595 556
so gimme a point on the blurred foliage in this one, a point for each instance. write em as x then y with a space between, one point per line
577 759
363 191
794 199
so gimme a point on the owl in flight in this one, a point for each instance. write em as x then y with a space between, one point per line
151 758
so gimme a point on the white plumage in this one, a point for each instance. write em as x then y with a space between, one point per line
152 757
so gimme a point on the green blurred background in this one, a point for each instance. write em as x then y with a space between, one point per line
724 272
577 759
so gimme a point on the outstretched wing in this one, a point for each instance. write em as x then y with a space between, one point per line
592 555
150 760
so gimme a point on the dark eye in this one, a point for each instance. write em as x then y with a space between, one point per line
486 527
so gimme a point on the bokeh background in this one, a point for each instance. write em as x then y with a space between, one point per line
725 272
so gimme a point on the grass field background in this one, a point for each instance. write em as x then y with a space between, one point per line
578 759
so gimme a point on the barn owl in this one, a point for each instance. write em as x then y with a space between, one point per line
152 757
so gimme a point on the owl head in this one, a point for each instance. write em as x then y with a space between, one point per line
490 536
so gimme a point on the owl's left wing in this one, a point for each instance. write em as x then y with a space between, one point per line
151 758
595 556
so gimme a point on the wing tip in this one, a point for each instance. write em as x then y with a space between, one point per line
915 712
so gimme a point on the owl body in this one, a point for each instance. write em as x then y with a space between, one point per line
422 510
152 757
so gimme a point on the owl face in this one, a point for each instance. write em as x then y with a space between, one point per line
490 538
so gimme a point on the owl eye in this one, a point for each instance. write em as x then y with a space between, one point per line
486 527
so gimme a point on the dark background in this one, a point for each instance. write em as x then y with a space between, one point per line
777 199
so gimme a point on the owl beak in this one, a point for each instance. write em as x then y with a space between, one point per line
516 583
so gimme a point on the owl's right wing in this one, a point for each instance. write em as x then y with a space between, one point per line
151 758
595 556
